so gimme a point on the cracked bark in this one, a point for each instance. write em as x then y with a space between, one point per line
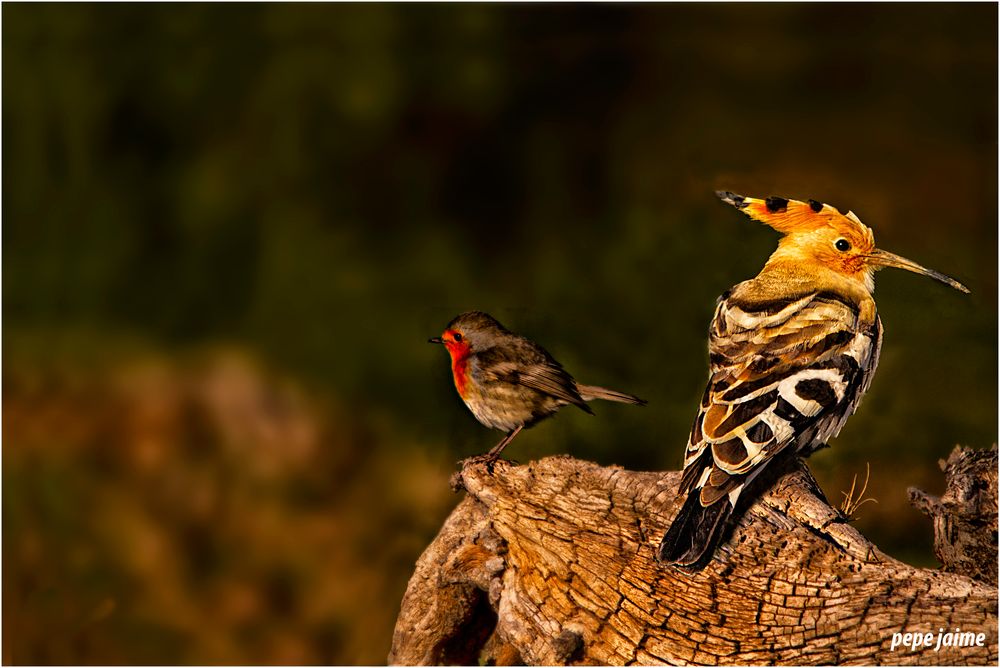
552 563
965 517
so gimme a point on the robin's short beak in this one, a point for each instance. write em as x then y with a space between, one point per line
436 339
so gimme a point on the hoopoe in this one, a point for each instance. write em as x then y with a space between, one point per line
791 353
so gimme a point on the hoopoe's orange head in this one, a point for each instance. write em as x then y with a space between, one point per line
819 234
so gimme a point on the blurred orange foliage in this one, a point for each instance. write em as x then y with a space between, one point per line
203 511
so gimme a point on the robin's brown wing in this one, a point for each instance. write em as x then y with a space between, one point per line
782 374
523 362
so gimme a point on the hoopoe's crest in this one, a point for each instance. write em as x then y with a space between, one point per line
819 235
791 353
814 232
790 216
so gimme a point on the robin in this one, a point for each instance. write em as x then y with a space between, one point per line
510 382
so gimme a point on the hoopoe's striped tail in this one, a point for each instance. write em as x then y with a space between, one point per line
695 532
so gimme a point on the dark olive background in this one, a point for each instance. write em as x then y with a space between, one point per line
229 231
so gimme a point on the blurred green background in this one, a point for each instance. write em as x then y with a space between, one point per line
228 232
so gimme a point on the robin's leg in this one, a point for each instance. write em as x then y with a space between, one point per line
493 455
498 448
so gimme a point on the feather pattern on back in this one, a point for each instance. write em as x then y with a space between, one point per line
792 352
785 373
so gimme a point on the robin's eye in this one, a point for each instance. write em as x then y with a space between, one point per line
842 245
457 337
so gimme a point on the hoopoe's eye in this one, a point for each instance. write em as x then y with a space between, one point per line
843 245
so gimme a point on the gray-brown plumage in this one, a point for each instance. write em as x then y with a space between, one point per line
508 381
791 352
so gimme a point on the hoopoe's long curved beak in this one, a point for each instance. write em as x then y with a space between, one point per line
882 258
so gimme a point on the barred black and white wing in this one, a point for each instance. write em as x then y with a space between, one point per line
785 376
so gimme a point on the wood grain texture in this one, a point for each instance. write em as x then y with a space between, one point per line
551 562
965 517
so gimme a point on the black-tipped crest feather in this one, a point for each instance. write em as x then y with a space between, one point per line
731 198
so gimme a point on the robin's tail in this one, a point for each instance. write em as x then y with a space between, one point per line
590 392
695 532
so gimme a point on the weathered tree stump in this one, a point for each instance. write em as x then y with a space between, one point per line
965 518
552 562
